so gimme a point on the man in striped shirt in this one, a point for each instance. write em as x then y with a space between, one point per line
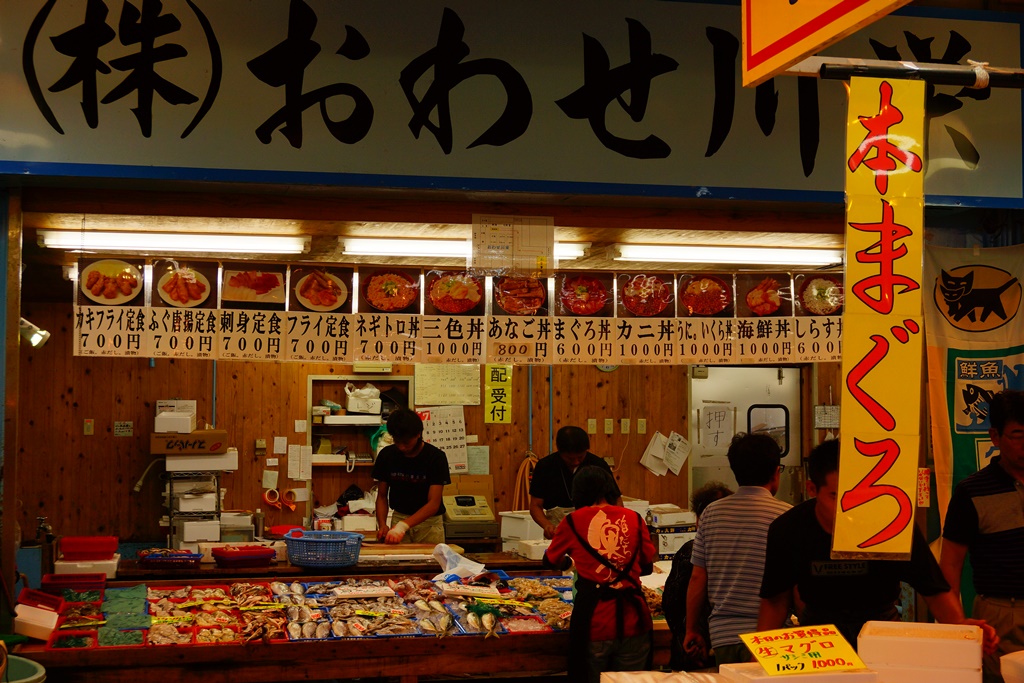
986 518
728 553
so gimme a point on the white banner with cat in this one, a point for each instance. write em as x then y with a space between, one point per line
975 348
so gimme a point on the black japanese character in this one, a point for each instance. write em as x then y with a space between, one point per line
445 59
603 84
82 44
284 66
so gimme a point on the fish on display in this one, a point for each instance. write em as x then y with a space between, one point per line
422 605
490 625
309 629
323 629
296 588
444 624
279 588
473 620
436 606
339 629
294 630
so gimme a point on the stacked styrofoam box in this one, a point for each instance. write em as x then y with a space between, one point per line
516 526
533 550
752 671
108 567
1012 667
921 653
636 504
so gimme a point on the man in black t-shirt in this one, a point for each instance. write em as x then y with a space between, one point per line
846 593
551 485
411 476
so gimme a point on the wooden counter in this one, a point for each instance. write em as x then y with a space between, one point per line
407 658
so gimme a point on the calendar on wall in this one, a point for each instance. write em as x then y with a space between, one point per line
445 427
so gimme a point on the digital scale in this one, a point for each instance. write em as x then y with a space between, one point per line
468 517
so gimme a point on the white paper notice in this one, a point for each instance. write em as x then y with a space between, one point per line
305 462
716 427
445 427
447 385
294 466
300 426
270 479
271 462
676 451
479 459
654 457
281 444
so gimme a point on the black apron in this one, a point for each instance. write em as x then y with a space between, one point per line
589 593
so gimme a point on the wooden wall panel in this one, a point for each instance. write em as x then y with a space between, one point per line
84 484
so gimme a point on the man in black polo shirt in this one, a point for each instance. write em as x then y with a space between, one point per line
550 499
986 518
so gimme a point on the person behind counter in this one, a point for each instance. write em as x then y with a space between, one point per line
551 485
846 593
411 476
611 547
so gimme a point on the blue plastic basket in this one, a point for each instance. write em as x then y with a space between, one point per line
323 548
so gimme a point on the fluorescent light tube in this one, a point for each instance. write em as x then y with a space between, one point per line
173 242
768 256
370 246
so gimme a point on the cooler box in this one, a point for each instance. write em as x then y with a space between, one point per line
896 644
37 613
533 550
106 567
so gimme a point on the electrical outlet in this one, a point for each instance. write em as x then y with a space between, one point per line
591 425
641 426
624 425
88 426
609 425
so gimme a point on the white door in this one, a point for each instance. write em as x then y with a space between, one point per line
748 399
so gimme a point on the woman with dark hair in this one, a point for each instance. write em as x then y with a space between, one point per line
611 548
673 598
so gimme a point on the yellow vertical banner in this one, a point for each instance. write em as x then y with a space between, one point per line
498 394
882 321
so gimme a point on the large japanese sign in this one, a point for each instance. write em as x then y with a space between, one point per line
882 355
779 33
802 650
582 96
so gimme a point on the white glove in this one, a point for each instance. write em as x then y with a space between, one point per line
397 533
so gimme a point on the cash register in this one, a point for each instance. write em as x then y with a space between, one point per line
468 516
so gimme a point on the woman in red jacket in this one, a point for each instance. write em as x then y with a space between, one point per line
611 549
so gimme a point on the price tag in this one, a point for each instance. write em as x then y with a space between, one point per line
808 649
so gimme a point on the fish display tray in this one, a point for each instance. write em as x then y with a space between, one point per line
178 561
243 556
323 548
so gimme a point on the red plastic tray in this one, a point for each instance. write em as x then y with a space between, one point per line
86 548
48 601
56 583
243 556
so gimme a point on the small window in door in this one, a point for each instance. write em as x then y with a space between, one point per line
770 419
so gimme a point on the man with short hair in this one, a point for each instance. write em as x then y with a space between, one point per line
551 485
728 552
985 518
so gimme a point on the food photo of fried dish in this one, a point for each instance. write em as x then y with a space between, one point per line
821 295
183 288
583 294
705 295
391 292
320 291
519 295
764 299
646 295
455 293
111 282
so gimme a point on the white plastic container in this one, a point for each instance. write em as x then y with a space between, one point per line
190 502
752 671
518 525
34 622
636 504
107 567
533 550
175 423
203 463
671 515
358 523
887 644
193 531
929 674
1012 667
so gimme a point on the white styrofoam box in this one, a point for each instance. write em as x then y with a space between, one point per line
533 550
352 420
202 463
108 567
668 544
358 523
518 525
198 484
752 671
34 622
510 547
176 406
195 530
928 674
902 644
1012 667
636 504
354 404
190 502
667 514
235 519
175 423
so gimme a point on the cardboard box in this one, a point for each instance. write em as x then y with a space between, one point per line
941 646
202 502
175 423
671 515
107 567
355 404
196 530
320 410
176 405
201 442
224 462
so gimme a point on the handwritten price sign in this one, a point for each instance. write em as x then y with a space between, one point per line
817 649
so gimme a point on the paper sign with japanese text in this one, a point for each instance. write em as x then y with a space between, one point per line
584 341
251 335
317 337
646 341
882 319
386 337
779 33
801 650
523 340
498 394
183 333
111 331
451 339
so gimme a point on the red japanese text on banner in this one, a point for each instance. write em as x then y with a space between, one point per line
882 323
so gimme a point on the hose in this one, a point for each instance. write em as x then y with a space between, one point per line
521 496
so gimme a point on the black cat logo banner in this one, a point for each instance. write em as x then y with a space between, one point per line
973 334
